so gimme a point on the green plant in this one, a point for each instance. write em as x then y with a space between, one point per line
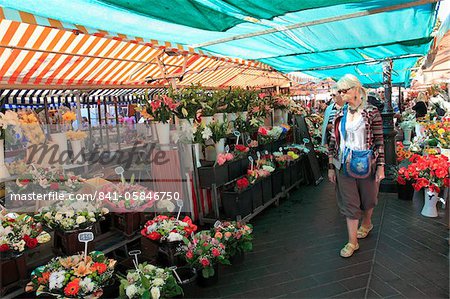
189 100
218 130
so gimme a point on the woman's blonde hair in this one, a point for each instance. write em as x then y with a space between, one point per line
350 81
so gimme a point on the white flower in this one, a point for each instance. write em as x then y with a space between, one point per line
92 220
87 284
155 293
105 211
19 246
158 282
131 290
44 237
182 223
166 205
132 277
58 216
207 133
159 270
174 237
70 213
81 219
48 215
56 280
91 215
268 168
149 268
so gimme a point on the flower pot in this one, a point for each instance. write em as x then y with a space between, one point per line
188 278
76 151
168 254
3 170
277 181
127 223
429 207
257 195
237 204
209 175
206 120
163 131
420 130
12 271
198 154
280 117
66 242
149 249
266 189
210 281
405 192
111 289
220 146
407 136
219 117
237 168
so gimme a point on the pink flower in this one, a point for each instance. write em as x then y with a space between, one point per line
229 156
204 262
262 131
221 159
155 104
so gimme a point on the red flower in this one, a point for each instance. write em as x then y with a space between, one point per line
215 252
155 236
189 254
204 262
54 186
420 183
4 247
242 183
261 95
155 104
31 242
72 287
44 279
434 188
401 180
441 173
262 131
241 148
99 267
25 182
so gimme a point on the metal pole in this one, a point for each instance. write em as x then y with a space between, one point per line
400 99
99 116
116 110
79 118
106 123
388 115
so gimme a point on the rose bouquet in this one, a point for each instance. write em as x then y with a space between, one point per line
426 172
162 228
20 232
54 179
242 184
73 276
241 150
236 236
149 282
70 215
223 158
203 252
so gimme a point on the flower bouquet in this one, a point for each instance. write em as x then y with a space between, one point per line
204 253
167 234
42 179
18 233
161 108
236 236
441 132
149 282
30 126
73 276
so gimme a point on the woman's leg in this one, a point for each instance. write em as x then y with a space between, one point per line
352 228
367 218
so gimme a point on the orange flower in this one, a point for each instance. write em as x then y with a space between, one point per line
82 270
69 116
44 279
99 267
72 287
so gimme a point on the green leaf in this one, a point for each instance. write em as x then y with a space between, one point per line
145 282
146 294
132 179
205 273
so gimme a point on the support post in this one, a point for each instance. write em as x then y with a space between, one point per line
389 132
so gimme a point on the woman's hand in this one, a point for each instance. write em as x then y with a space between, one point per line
332 175
379 174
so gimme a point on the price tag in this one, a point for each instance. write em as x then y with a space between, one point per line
227 149
258 154
119 170
85 238
174 270
135 254
217 224
237 134
280 149
305 140
250 158
249 140
266 152
180 204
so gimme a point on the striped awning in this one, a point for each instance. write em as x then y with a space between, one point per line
17 98
37 52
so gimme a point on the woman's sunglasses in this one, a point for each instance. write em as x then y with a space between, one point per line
344 91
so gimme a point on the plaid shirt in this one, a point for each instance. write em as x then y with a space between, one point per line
374 134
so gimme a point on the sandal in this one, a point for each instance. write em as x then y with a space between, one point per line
349 249
363 231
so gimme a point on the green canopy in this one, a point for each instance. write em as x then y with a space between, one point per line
322 38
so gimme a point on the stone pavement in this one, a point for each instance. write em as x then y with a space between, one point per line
296 253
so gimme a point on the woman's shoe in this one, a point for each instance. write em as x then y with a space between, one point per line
363 231
348 249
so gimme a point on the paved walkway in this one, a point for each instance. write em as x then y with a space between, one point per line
296 253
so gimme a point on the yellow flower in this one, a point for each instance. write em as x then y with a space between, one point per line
441 131
69 116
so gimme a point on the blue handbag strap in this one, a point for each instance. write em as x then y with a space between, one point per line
343 121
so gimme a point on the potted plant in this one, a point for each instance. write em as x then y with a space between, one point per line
237 238
238 166
73 276
441 132
68 219
204 253
167 233
237 198
149 282
215 172
407 125
18 234
189 102
219 132
431 173
266 167
281 105
127 201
